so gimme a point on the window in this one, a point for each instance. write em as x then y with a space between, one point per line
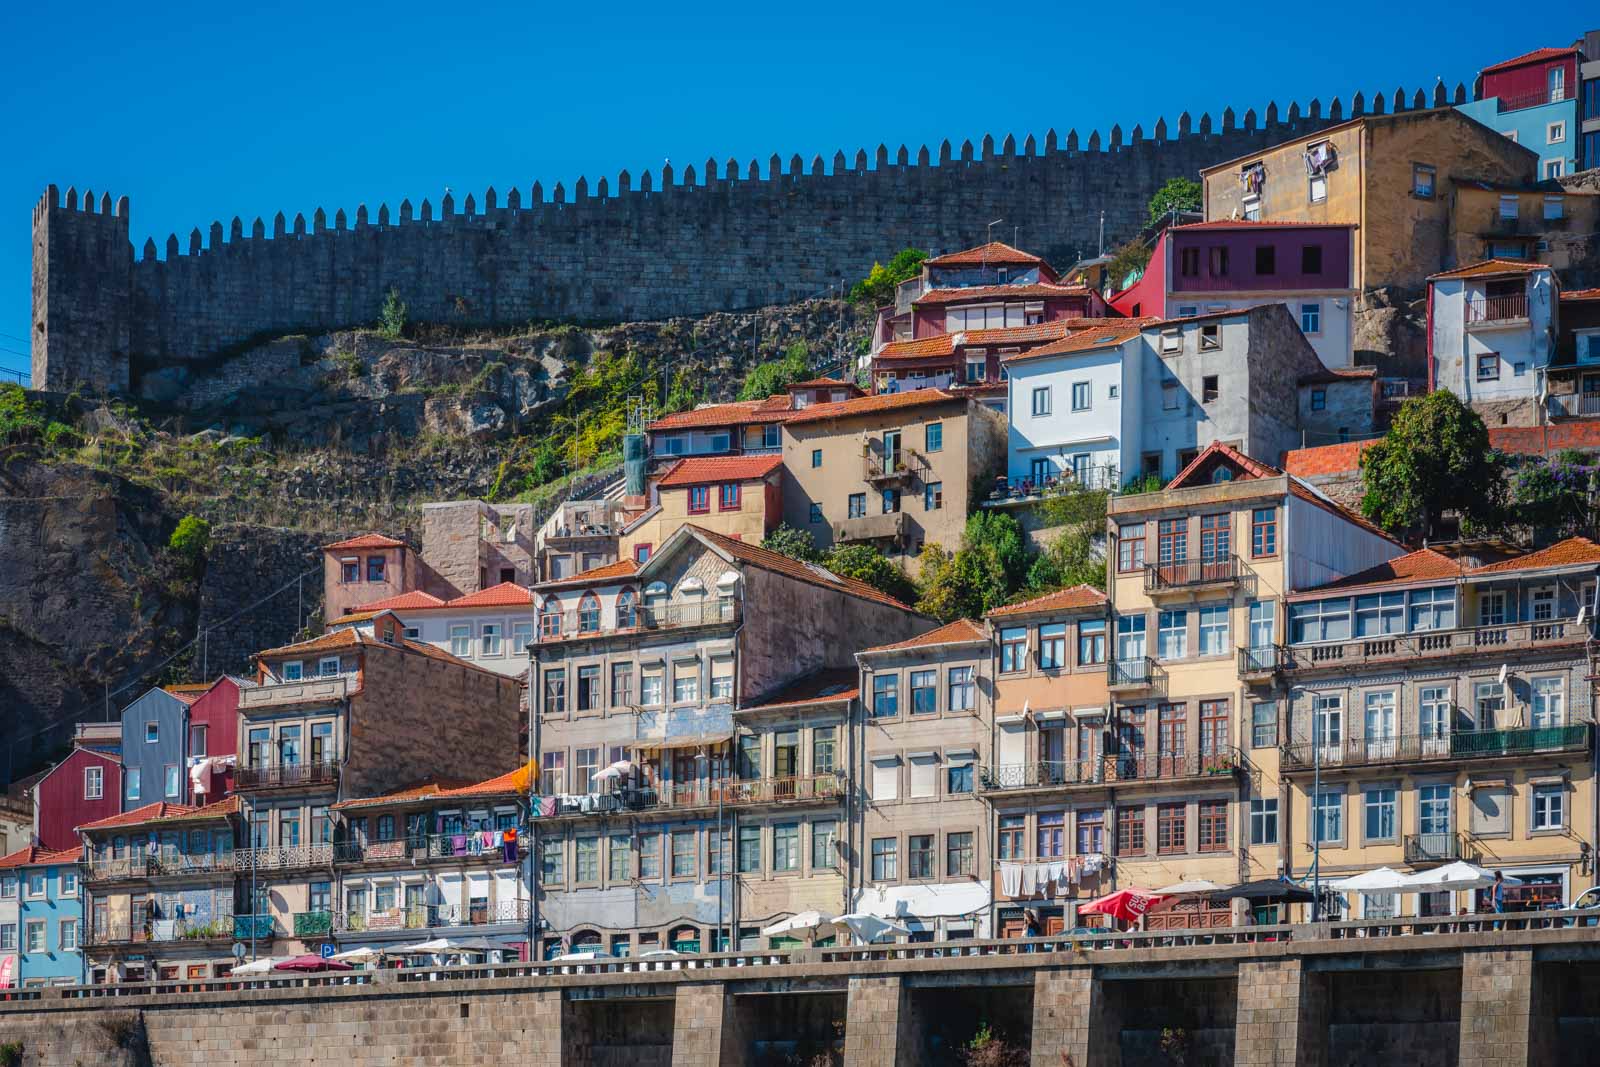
1041 401
1130 637
590 696
885 777
1327 816
1311 319
1213 818
919 856
1189 262
1252 212
374 568
824 747
651 687
1422 180
8 937
1052 835
1379 814
1549 704
34 936
858 505
1091 642
924 775
350 570
552 861
1542 604
683 847
1171 828
1548 811
1264 724
641 553
1311 259
1509 207
958 854
461 638
650 855
1082 396
1488 700
699 499
130 783
1013 649
1319 399
1172 634
1210 338
961 688
1172 541
1009 842
1317 188
885 859
1379 614
885 694
93 783
1130 547
1266 260
1433 609
489 639
521 637
1171 341
924 692
958 778
816 458
1209 390
555 691
933 436
1264 532
1169 395
815 515
686 682
586 859
1264 820
1555 133
293 671
728 496
621 685
1553 206
824 838
1219 260
1130 831
933 496
589 614
748 850
170 782
722 678
1214 630
977 370
1433 809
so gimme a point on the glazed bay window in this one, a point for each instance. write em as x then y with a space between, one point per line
885 859
1053 646
1013 649
962 690
1319 620
1091 642
959 856
786 846
924 692
885 694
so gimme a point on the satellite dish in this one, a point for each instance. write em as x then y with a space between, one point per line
1583 613
1502 675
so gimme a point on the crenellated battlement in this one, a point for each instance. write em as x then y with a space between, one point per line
651 244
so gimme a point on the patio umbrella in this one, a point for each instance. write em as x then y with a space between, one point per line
868 928
359 955
1457 875
616 770
258 967
1125 905
444 945
310 963
1267 891
808 924
1188 888
1382 880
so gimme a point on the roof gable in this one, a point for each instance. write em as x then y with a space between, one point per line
366 540
1072 598
959 632
993 252
702 470
1202 470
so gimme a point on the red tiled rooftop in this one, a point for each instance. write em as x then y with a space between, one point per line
1114 332
147 813
369 540
1581 294
1571 552
1491 266
944 344
987 292
412 601
334 639
704 469
1072 598
1538 55
1260 224
417 791
606 572
827 686
738 413
881 403
1423 565
33 856
993 252
826 383
504 595
960 632
793 568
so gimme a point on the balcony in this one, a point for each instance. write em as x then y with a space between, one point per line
313 923
162 931
258 926
1107 770
1425 849
431 916
330 689
399 850
1437 644
287 775
1537 98
1302 756
1574 405
894 469
1127 675
699 795
1487 312
1260 664
466 845
169 864
891 527
117 869
566 625
1191 576
294 857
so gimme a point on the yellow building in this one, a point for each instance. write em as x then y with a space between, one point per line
1442 709
1388 174
736 496
1198 574
1542 222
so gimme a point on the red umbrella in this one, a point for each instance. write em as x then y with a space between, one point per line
310 962
1125 905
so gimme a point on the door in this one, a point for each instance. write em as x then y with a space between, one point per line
1130 743
1379 726
1172 738
1589 402
1433 717
1213 733
1053 754
1013 762
1089 751
891 450
1263 632
1039 472
1327 727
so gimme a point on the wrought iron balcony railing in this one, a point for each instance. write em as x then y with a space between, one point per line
1485 309
1110 768
1191 574
1443 745
292 857
247 926
287 775
161 930
1268 659
1432 644
559 626
1443 847
1141 672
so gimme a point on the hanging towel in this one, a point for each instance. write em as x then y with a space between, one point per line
1030 880
548 807
458 844
1010 879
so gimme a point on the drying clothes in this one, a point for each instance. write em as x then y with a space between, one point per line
1093 863
458 845
1059 874
1010 879
1030 880
548 806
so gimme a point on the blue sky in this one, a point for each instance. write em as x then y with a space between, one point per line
207 111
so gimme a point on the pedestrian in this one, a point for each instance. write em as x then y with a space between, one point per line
1498 896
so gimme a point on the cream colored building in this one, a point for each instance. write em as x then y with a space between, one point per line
1198 574
738 496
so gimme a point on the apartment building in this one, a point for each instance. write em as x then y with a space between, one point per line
1440 707
490 628
160 886
1542 221
1491 337
896 471
1198 574
663 820
579 535
738 496
1532 100
49 916
83 787
349 714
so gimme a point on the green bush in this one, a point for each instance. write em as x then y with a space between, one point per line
878 287
190 539
392 318
765 379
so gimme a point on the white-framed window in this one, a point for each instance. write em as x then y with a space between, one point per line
412 633
34 936
69 882
1172 635
1423 180
1318 188
1252 208
1492 608
8 889
328 666
1172 338
94 783
1542 604
1327 719
1214 630
977 370
1548 810
1433 609
293 670
171 782
33 884
1082 396
521 637
1554 168
1555 132
67 935
1554 207
152 733
1549 703
131 783
1041 401
8 937
1310 318
461 640
1327 816
885 777
1433 809
489 638
1488 367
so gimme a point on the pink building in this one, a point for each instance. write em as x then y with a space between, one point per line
363 569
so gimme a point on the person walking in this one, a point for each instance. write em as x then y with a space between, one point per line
1498 896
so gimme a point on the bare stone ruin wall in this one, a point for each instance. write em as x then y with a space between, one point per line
706 239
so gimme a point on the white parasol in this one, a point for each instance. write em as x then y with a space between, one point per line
1382 880
617 770
1457 875
808 924
867 928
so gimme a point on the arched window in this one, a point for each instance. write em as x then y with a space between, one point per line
685 939
1221 474
585 939
691 587
550 617
627 610
589 613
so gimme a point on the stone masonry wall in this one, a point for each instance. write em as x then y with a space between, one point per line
710 238
243 565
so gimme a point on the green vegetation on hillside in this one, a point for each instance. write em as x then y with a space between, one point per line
765 379
1435 457
877 288
1178 194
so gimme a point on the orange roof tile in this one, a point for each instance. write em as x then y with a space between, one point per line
1581 294
1491 266
944 344
606 572
960 632
1260 224
1342 458
1072 598
1574 551
345 638
792 568
881 403
1423 565
1538 55
504 595
738 413
510 783
428 788
1116 332
147 813
370 540
410 601
703 469
986 292
993 252
826 383
33 856
835 685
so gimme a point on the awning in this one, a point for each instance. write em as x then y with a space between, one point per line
923 901
668 743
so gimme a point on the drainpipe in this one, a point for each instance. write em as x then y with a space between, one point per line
726 859
535 731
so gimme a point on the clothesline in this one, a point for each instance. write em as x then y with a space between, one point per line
1049 877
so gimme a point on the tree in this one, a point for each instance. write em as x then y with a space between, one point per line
980 575
1552 494
765 379
1435 457
1127 261
190 539
878 287
796 544
1072 557
392 317
866 564
1179 194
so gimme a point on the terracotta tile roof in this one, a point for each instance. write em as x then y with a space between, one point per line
989 292
334 639
1329 375
606 572
1072 598
703 469
1260 224
993 252
1538 55
1423 565
1491 266
20 858
33 856
513 783
427 788
411 601
960 632
835 685
1581 294
1574 551
738 413
1115 332
826 383
766 559
147 813
881 403
371 540
945 344
1342 458
504 595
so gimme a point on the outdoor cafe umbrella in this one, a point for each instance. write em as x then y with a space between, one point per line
808 924
1382 880
1188 888
254 968
1457 875
358 955
619 769
868 928
1266 891
1125 905
309 963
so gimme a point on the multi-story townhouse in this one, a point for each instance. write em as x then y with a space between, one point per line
1441 708
1054 792
739 428
1197 575
920 830
1543 221
968 358
9 912
739 496
1143 397
349 714
85 786
1239 263
1589 102
363 570
490 628
663 821
1491 337
1381 172
1532 100
897 471
49 918
432 861
153 745
160 886
579 535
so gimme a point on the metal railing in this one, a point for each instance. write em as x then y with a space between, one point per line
467 844
313 923
1191 573
1139 672
1113 767
328 689
1468 640
730 792
161 930
1506 308
1443 745
1537 98
876 467
1268 659
286 775
282 859
557 626
258 926
1106 477
1435 848
1574 405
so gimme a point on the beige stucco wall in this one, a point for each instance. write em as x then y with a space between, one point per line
757 513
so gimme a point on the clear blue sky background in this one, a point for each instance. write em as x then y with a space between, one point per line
202 111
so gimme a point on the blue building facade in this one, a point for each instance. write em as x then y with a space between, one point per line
1534 100
50 920
154 742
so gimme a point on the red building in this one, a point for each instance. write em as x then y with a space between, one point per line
213 737
83 788
1543 76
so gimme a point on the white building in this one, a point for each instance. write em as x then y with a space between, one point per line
491 628
1492 335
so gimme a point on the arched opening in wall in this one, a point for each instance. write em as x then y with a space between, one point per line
588 613
655 603
627 610
586 941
